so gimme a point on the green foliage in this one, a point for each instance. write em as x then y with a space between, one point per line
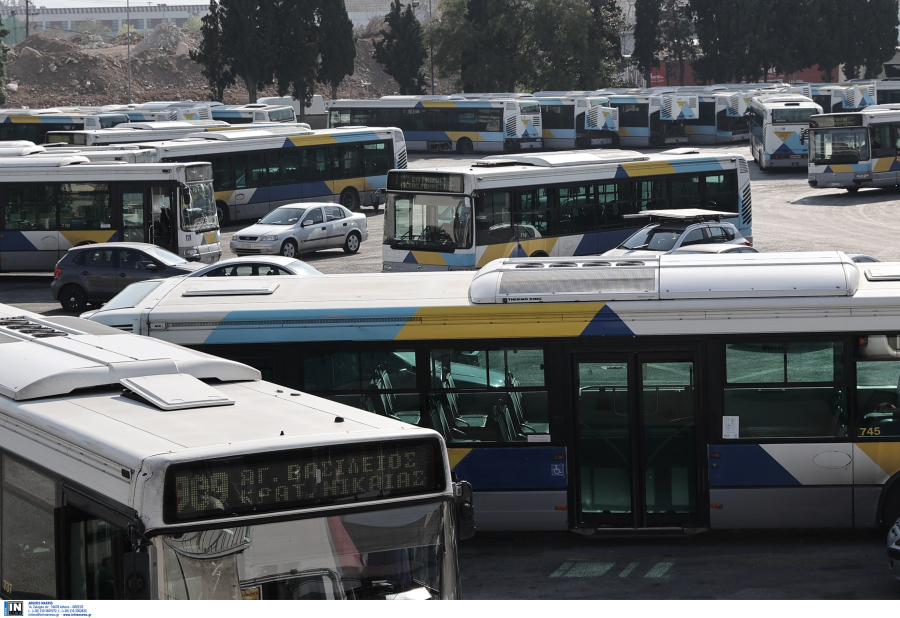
677 35
401 49
296 49
193 22
213 53
92 26
125 29
337 44
647 36
250 28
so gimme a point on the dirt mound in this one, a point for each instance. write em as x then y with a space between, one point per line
122 39
47 44
164 36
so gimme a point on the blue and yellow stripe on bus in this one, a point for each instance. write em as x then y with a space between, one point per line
14 240
48 119
504 468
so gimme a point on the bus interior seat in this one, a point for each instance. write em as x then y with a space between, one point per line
439 422
453 402
507 425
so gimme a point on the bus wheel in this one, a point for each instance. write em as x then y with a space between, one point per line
73 298
852 189
351 245
350 199
539 254
289 248
464 146
222 213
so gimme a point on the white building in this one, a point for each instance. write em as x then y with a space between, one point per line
110 18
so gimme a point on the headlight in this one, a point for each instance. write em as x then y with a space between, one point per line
191 251
268 237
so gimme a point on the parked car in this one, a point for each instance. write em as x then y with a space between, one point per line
893 549
672 229
300 228
95 273
714 249
256 266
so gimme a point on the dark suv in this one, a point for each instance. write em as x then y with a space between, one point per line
96 273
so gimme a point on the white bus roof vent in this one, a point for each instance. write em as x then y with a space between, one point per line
174 392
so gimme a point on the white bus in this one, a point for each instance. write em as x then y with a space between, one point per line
447 124
314 114
776 124
53 203
855 150
654 119
34 124
722 118
255 171
132 132
253 113
136 469
600 395
569 121
548 204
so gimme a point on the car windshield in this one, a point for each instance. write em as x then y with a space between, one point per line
653 239
283 216
131 295
398 553
166 257
838 145
428 221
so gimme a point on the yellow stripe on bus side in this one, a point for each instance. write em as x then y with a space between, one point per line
652 168
885 454
73 238
312 140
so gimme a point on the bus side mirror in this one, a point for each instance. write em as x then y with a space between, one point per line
803 135
465 510
136 575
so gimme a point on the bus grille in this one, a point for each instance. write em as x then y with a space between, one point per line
747 214
401 158
559 281
536 122
743 166
511 127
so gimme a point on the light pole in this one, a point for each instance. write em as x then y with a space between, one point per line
163 7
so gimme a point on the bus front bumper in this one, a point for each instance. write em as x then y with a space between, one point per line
843 180
407 267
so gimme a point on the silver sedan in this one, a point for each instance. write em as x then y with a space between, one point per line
300 228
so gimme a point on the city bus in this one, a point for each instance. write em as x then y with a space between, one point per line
664 394
855 150
255 171
133 132
138 470
722 118
34 124
836 98
570 122
447 124
53 203
163 112
650 119
549 204
888 91
776 124
253 113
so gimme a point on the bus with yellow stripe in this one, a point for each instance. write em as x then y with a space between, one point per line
567 203
33 124
257 170
571 121
664 394
447 123
50 204
777 125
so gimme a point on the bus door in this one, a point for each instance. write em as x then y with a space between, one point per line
636 442
147 215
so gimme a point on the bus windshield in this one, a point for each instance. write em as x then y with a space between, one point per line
839 145
530 107
792 115
397 553
439 222
200 214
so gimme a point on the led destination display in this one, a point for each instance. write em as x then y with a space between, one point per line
423 181
286 480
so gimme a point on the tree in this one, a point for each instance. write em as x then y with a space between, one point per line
721 36
880 41
193 22
337 44
250 27
677 35
296 53
647 43
4 51
213 53
401 49
125 29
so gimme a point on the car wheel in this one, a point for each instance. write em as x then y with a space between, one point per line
289 248
464 146
890 506
351 244
73 298
350 199
222 214
853 190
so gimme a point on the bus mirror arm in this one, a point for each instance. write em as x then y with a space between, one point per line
465 510
136 566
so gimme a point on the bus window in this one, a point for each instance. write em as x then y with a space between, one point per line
345 160
615 200
577 209
533 209
489 120
786 389
634 114
30 207
84 206
283 166
92 557
493 222
558 116
28 543
377 159
686 192
223 174
653 194
878 386
314 164
720 193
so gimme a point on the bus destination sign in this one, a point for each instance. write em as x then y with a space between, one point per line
836 120
421 181
287 480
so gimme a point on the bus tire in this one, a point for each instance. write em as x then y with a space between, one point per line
350 199
852 190
464 146
73 298
352 243
222 213
539 254
289 248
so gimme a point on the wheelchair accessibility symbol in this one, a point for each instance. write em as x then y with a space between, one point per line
557 469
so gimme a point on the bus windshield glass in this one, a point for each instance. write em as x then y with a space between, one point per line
397 553
839 145
200 214
440 222
530 107
792 115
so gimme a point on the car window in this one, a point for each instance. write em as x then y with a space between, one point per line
694 237
314 215
247 270
729 233
716 235
96 258
747 250
334 213
129 259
